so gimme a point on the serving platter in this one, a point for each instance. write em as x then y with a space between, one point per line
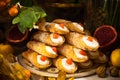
53 71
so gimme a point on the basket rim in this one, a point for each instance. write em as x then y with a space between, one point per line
113 40
17 41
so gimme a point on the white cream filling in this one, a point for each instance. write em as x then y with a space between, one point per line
78 26
42 62
68 66
50 50
59 27
56 40
77 53
92 44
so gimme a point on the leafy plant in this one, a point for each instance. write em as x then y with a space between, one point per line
112 7
28 16
101 12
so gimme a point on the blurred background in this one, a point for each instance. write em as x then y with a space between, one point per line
91 13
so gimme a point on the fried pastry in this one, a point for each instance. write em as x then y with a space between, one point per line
89 43
42 49
52 39
65 64
36 59
85 65
76 54
84 42
54 28
59 21
93 54
102 58
72 26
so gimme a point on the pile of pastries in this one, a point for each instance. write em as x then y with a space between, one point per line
65 45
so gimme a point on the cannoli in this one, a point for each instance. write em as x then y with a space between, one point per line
52 39
69 51
36 59
43 27
42 49
55 28
65 64
72 26
102 58
59 21
86 65
89 43
84 42
93 54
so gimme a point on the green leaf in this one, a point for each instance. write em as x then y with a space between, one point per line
22 29
16 20
28 16
40 14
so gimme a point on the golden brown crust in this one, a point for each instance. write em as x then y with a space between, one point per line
73 27
31 56
67 51
40 48
93 54
75 39
87 47
50 27
102 58
53 29
58 64
43 27
46 38
85 65
59 21
70 25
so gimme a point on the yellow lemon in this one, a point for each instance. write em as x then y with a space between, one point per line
115 57
6 49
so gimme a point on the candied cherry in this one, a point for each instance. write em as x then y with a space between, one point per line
69 61
82 52
61 25
43 58
54 49
55 35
